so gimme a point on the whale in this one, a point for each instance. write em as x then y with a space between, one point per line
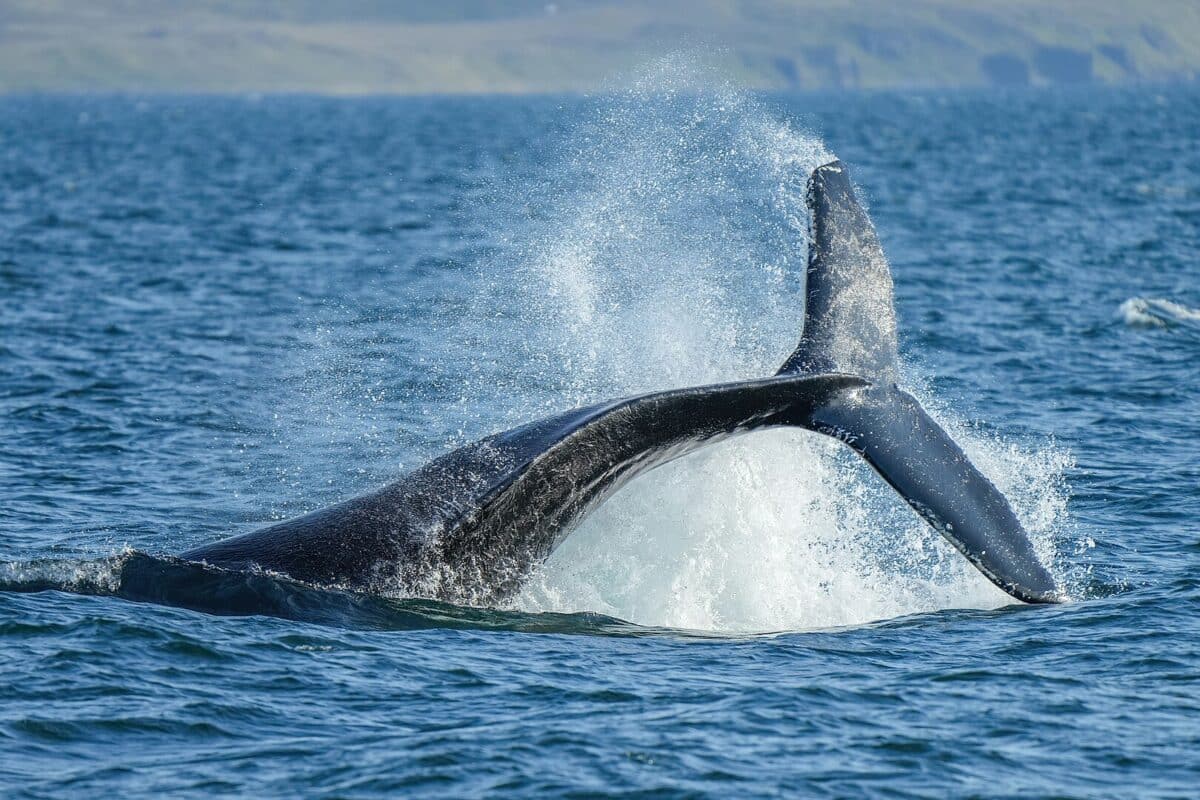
472 525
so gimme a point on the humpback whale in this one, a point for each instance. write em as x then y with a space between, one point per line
471 525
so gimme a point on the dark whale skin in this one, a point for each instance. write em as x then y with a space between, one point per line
471 525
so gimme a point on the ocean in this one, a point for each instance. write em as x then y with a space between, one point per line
218 312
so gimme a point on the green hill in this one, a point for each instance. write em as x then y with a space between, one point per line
530 46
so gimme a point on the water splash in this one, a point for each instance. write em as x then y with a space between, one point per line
665 243
83 576
666 247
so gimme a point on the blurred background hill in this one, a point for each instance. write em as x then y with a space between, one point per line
374 46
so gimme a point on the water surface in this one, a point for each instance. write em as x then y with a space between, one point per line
215 313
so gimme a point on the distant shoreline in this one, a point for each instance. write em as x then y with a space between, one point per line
530 47
252 96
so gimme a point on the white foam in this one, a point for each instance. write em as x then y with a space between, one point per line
772 532
1155 312
88 576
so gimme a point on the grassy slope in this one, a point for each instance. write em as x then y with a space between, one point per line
519 45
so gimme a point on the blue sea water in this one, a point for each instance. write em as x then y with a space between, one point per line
219 312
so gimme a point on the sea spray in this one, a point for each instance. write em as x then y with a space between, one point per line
665 246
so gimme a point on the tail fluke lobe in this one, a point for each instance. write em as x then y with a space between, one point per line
889 429
849 319
850 328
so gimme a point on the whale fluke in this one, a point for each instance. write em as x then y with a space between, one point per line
849 317
909 450
850 327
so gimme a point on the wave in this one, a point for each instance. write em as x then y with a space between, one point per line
1156 312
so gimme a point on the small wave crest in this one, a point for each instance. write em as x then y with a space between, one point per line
1156 312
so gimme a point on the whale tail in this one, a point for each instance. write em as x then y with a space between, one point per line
472 523
850 328
849 316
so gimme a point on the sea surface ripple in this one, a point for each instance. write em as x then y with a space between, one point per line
218 312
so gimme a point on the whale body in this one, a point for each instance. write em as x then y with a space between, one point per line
472 525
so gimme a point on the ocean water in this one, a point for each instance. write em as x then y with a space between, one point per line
220 312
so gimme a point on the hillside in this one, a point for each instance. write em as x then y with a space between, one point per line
367 46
